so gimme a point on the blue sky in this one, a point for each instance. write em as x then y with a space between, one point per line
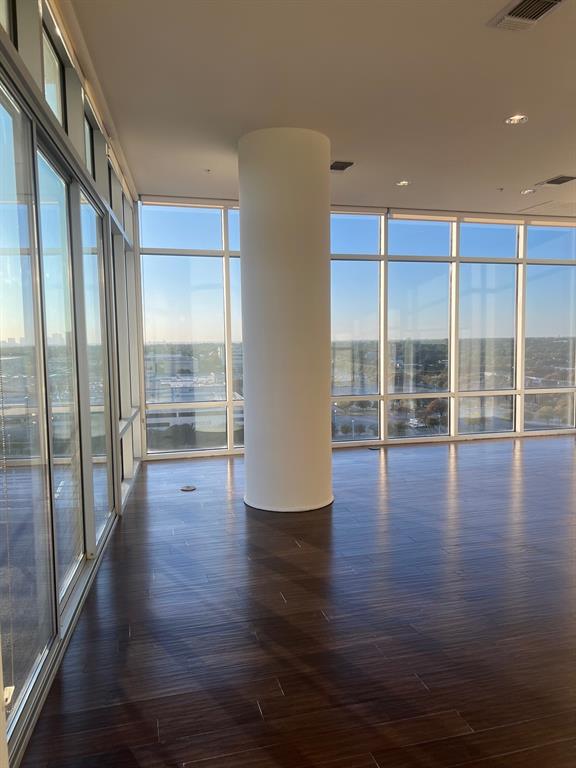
418 300
487 301
355 290
183 302
184 297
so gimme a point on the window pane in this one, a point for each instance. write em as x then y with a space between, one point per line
548 411
355 420
186 430
494 241
52 78
550 326
487 322
236 323
418 326
26 578
353 233
418 238
88 146
181 227
96 333
355 327
234 229
61 368
551 242
238 427
183 328
485 414
425 417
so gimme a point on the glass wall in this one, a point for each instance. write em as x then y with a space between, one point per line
65 437
550 326
58 440
184 358
98 363
185 328
442 326
355 327
422 417
236 322
27 619
418 326
485 415
487 326
61 367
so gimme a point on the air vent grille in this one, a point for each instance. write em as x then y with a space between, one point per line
532 10
523 15
557 180
340 165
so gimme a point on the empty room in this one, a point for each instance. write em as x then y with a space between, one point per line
287 383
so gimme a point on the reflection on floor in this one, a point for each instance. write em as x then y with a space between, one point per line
428 619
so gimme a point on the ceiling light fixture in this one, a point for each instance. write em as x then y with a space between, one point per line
403 183
516 119
527 191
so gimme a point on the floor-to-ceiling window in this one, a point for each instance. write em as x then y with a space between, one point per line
355 336
186 376
550 342
61 365
443 326
486 359
418 348
70 372
27 618
59 444
235 347
98 364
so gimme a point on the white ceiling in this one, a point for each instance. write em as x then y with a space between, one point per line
415 89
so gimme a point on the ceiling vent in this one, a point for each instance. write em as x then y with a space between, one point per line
523 15
560 180
340 165
556 181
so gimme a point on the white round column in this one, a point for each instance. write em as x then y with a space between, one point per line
285 267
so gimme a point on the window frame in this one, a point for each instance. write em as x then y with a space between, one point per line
454 260
89 142
229 403
50 140
48 39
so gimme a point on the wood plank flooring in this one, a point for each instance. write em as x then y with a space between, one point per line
427 620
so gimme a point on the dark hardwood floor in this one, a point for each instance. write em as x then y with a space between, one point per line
427 619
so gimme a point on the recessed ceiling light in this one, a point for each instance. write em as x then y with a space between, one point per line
403 183
527 191
516 119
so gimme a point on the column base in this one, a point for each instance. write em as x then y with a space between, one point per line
289 509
